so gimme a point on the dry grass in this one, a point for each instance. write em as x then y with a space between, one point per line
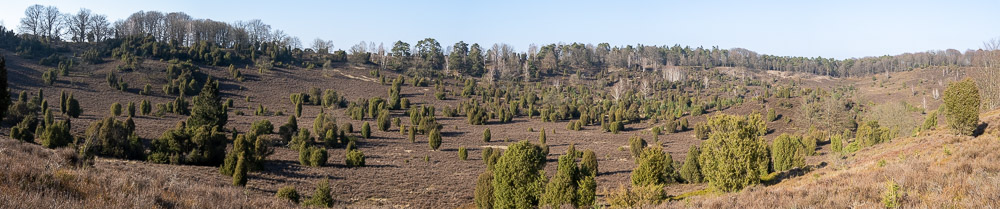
935 170
33 177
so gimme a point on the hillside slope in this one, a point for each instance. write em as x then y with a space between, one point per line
933 170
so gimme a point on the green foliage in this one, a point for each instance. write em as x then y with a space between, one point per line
541 137
691 170
654 167
261 127
787 152
588 165
892 195
50 76
837 142
771 115
383 120
961 100
434 139
240 172
930 122
636 145
871 133
318 157
561 189
484 190
73 107
321 197
366 130
111 138
56 135
486 135
354 158
517 178
289 129
586 191
116 109
130 109
189 145
462 153
145 107
23 131
288 193
208 109
735 155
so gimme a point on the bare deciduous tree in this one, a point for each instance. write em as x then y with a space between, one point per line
321 46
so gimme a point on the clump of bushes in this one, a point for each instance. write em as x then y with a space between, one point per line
636 146
961 100
112 138
189 145
691 170
733 136
288 193
787 152
517 178
321 197
655 167
354 158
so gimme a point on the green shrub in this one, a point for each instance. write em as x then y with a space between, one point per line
654 167
701 132
635 146
383 121
434 139
112 138
289 129
837 143
23 131
288 193
691 170
145 108
486 135
961 100
130 109
588 165
517 178
412 134
788 152
561 189
541 137
73 106
116 109
366 130
891 196
240 172
208 109
872 133
930 122
321 197
484 190
462 153
50 76
318 157
261 127
771 115
190 145
735 155
56 135
355 158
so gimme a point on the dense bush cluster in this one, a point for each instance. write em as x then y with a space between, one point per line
189 145
961 100
112 138
788 151
733 136
654 167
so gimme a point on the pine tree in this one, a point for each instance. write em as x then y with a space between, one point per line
208 110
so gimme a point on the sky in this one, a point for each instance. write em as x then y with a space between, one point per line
838 29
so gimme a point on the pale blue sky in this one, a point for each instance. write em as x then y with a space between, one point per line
839 29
